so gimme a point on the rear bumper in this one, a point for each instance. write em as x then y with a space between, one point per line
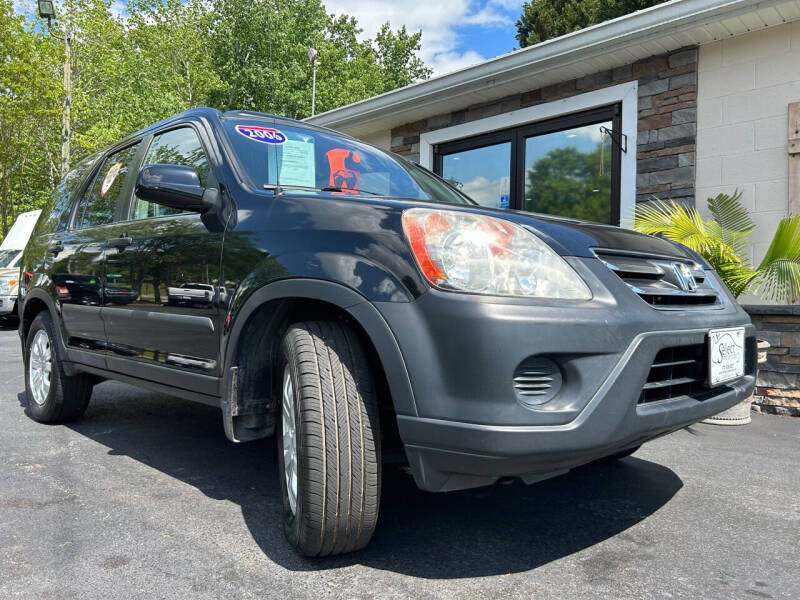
469 427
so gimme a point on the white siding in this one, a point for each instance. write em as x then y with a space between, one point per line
745 85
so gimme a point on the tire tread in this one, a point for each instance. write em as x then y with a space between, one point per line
340 447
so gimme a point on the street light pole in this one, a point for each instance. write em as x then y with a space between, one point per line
66 119
47 11
312 57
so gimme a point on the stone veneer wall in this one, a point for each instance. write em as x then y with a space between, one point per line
778 383
667 120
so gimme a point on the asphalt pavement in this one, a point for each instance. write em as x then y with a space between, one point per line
145 498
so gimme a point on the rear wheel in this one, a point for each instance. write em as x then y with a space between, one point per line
328 443
53 396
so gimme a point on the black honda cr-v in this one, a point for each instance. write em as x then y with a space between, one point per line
344 299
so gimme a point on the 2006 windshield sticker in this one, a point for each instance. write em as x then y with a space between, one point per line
265 135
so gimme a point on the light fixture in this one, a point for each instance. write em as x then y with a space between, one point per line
312 54
46 9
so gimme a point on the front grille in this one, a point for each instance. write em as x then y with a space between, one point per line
683 371
658 280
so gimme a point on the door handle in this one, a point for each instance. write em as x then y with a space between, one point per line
120 242
55 247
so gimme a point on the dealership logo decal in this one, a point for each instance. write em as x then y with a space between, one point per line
725 349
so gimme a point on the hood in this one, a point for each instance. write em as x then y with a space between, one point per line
568 237
579 237
572 237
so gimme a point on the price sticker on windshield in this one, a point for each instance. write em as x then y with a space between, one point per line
725 355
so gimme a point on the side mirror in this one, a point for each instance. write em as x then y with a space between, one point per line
176 186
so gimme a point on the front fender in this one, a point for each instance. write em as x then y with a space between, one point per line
347 299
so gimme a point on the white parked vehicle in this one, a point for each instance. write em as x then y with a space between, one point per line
190 293
10 253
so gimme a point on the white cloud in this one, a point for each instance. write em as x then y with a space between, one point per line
484 191
119 9
436 19
592 132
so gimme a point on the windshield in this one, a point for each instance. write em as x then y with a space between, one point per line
7 257
295 157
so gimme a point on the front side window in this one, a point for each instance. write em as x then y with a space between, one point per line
100 201
295 157
175 147
568 166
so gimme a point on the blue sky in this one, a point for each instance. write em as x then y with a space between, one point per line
455 33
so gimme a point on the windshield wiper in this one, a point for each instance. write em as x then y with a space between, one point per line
278 189
332 188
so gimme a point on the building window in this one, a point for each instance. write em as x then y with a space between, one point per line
567 166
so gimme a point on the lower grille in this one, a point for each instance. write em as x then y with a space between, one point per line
676 371
683 370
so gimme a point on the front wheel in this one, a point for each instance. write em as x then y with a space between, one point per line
328 442
53 396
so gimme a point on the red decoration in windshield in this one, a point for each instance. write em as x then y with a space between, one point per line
341 176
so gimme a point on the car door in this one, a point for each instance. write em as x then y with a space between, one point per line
77 266
162 294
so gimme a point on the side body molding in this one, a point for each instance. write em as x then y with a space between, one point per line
358 307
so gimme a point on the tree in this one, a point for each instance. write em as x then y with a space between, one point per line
167 56
29 106
566 181
545 19
722 240
259 50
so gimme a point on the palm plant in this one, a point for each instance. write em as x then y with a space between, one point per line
722 241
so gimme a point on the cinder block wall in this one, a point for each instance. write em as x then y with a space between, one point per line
667 119
745 86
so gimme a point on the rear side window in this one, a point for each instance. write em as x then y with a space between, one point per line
175 147
58 216
100 200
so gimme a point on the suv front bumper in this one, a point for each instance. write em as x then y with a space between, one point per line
461 352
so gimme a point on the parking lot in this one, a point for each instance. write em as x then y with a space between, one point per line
145 498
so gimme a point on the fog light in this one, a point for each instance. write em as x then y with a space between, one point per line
536 381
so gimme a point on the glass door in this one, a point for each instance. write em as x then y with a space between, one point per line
569 173
566 166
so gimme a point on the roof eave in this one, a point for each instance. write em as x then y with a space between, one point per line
602 39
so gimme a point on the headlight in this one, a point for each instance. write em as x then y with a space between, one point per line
483 255
7 286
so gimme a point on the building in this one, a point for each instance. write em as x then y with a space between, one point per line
684 100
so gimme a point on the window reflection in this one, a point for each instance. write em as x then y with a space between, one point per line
483 174
568 173
175 147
